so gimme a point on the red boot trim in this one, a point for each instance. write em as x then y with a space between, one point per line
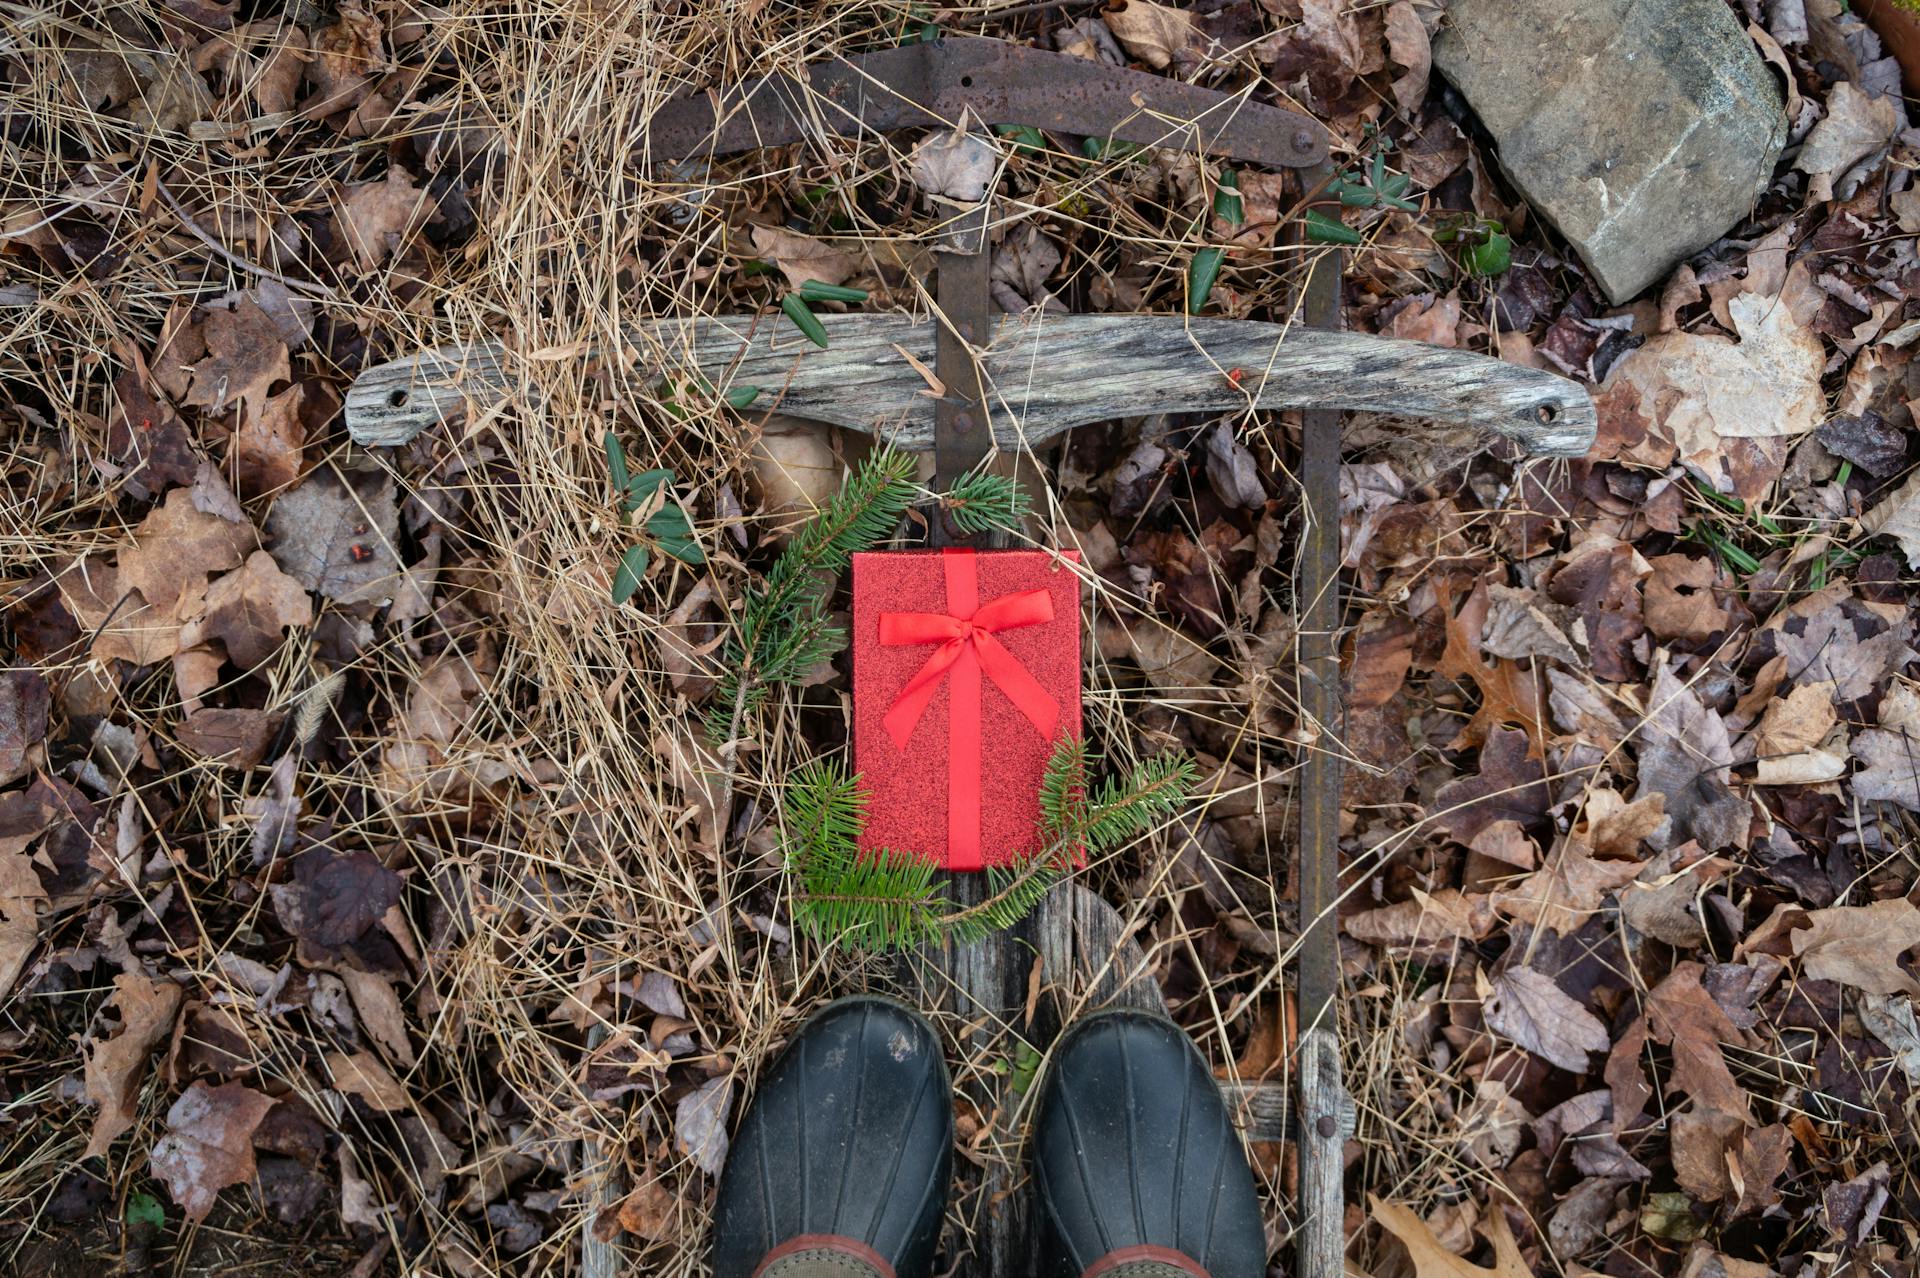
1144 1254
851 1247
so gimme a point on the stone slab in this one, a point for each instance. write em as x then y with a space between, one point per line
1643 130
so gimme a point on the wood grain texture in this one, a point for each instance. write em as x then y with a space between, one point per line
1046 374
1327 1119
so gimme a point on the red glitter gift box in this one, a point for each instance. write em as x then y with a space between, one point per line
966 671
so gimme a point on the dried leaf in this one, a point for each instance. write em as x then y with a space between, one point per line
275 812
802 257
1682 1014
246 357
1860 945
1511 786
1408 46
1848 645
700 1123
174 549
1701 391
1856 126
1428 921
336 536
114 1065
1684 757
1432 1260
1679 599
377 217
1891 752
1529 1008
956 165
24 702
363 1074
249 610
1796 722
209 1144
380 1012
342 895
1153 33
236 737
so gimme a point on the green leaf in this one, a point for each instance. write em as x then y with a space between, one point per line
685 549
669 521
633 564
741 397
145 1209
1027 140
1201 275
616 460
1323 229
804 319
1109 149
816 291
1227 204
644 485
1492 256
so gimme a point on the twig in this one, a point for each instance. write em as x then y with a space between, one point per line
234 259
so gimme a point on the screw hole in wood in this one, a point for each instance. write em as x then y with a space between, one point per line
1546 413
396 399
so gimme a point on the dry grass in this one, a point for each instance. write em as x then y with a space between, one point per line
565 843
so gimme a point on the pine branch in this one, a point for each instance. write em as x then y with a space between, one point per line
979 502
882 900
785 627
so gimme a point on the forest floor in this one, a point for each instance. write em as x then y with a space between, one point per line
362 862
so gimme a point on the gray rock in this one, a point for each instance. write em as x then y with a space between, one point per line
1641 129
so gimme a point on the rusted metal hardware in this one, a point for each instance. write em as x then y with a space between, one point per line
919 85
1325 1115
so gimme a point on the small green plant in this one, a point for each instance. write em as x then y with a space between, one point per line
785 627
645 501
144 1210
1481 245
888 900
796 307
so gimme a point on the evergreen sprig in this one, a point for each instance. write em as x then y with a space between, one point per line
887 900
978 501
785 626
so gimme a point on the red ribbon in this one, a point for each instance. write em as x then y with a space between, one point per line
967 650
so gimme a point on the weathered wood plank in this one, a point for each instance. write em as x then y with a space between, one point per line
1046 374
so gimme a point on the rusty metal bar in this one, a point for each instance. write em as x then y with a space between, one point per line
1326 1115
919 85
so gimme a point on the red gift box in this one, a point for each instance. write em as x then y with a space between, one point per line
966 670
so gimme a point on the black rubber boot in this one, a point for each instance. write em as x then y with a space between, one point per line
1140 1172
841 1165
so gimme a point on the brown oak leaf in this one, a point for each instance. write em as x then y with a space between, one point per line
115 1064
209 1144
248 611
246 357
377 217
1682 1014
1861 945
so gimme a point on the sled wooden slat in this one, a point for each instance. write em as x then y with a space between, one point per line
1045 374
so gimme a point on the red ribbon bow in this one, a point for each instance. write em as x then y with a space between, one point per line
967 650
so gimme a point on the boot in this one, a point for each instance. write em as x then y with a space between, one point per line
1139 1169
842 1162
